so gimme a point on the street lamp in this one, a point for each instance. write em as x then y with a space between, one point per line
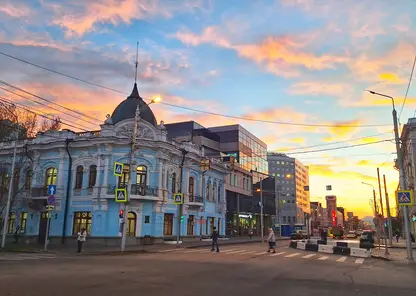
402 177
129 184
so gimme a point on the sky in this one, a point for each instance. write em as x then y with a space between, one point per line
305 63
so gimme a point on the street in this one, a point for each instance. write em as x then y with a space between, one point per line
242 269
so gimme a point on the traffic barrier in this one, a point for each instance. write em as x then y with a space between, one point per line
293 244
331 243
342 250
301 246
312 247
366 246
322 242
363 253
342 244
325 249
313 241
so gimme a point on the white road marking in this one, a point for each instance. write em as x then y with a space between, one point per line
235 252
292 255
229 250
260 253
192 251
277 254
308 256
323 258
246 253
359 261
166 251
205 251
342 259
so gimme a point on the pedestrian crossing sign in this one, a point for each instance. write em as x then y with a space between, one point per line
121 195
178 198
405 198
118 169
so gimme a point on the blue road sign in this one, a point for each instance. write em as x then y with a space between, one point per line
51 189
405 197
51 199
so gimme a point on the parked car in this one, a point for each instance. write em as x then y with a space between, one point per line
351 234
298 234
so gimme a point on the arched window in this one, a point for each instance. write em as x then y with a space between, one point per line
173 182
214 190
191 188
122 181
141 176
92 178
28 179
50 176
207 191
78 177
131 224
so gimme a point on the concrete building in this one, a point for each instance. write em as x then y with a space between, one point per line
408 138
218 143
81 165
292 179
317 217
331 206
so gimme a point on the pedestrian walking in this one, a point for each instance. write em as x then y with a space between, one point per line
272 241
82 237
397 236
214 237
250 233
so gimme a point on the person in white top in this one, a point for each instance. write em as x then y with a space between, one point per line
82 237
272 241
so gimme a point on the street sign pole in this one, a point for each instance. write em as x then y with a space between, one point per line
47 229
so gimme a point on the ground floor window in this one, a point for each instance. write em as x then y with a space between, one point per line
10 225
23 222
168 224
131 224
191 222
82 220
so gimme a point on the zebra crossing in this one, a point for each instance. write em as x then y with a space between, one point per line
25 256
241 253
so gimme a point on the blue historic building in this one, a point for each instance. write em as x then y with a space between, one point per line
81 165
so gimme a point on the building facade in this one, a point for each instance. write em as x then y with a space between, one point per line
292 179
331 206
408 149
81 166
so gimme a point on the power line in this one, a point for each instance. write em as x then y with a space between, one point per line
46 105
334 143
196 110
49 101
408 87
28 109
343 147
343 156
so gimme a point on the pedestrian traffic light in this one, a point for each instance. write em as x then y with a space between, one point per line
182 217
121 214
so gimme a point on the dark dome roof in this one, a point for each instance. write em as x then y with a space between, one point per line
127 109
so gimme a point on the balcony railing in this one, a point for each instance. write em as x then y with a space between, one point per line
39 191
137 189
196 198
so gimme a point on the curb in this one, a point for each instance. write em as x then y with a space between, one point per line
380 258
331 249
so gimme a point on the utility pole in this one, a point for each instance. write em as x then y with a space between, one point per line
261 209
129 182
9 196
376 217
277 205
383 229
180 206
402 178
390 226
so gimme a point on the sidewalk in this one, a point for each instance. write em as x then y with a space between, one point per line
400 245
395 254
96 250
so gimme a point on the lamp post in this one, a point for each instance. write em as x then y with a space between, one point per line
402 177
9 196
129 184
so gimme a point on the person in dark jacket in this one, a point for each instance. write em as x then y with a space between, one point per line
214 237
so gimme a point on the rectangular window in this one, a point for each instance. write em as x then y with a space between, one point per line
190 229
168 224
10 225
23 222
146 219
82 220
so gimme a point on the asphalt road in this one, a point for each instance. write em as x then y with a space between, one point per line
236 270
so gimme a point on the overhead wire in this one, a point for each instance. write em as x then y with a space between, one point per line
37 112
46 105
197 110
408 87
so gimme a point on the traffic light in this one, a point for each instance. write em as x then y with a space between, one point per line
182 217
121 214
